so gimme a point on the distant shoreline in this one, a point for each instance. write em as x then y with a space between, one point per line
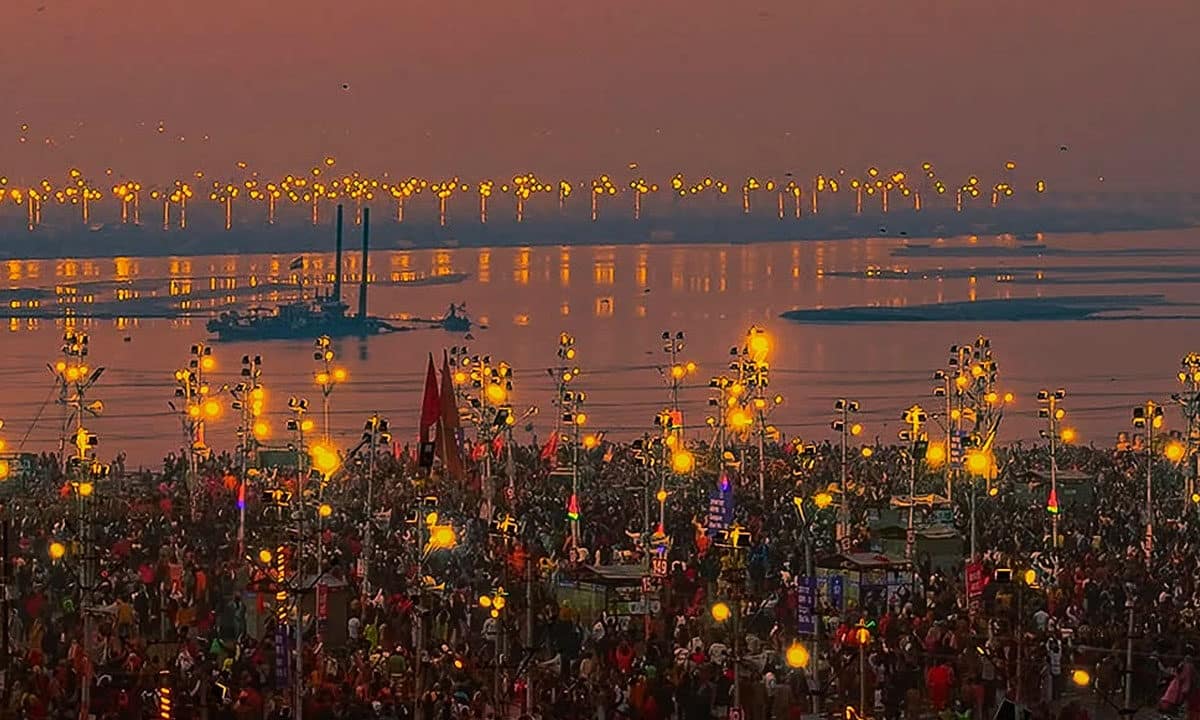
118 240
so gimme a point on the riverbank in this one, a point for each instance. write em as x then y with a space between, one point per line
386 234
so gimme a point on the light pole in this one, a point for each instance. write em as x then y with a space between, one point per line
842 425
249 398
1149 417
753 374
197 405
299 425
487 389
914 418
74 378
1189 404
820 501
1053 414
494 603
678 370
326 377
375 433
570 406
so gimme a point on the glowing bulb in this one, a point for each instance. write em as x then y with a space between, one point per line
682 461
978 463
264 556
495 394
797 656
822 500
720 612
57 550
935 454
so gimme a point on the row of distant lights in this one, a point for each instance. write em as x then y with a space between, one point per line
356 186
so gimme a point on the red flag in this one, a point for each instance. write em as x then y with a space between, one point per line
550 450
430 404
1052 503
497 445
447 437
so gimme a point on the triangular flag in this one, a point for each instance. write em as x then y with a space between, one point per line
1052 503
431 411
430 403
573 507
447 436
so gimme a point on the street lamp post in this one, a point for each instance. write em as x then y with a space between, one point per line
327 377
678 370
821 501
487 390
1189 402
914 418
248 398
299 425
375 433
753 374
842 425
1053 414
1149 417
570 406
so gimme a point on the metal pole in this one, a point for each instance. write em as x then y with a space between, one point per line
530 695
843 531
1054 485
737 645
973 551
762 460
368 534
575 484
496 678
1020 636
1149 486
949 439
298 678
862 678
420 634
810 573
1129 661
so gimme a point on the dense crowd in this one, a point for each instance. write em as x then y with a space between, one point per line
153 591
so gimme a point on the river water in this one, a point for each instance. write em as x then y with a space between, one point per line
617 301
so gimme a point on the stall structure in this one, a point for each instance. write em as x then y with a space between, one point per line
863 579
613 589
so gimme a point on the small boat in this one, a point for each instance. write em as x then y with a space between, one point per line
455 320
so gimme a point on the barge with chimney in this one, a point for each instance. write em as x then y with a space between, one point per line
308 319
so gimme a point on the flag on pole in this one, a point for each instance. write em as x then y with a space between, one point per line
1052 503
447 437
550 449
573 507
431 410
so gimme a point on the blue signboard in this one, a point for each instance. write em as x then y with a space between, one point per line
837 591
282 657
806 599
720 509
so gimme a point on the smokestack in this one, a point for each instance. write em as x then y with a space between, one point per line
362 287
337 263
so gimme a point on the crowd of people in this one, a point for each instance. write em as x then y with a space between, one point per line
152 593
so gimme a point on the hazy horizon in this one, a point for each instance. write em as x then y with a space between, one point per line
477 89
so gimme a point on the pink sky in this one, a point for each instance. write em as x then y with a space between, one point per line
573 87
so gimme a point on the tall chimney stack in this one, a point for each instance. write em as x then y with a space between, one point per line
362 287
337 263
